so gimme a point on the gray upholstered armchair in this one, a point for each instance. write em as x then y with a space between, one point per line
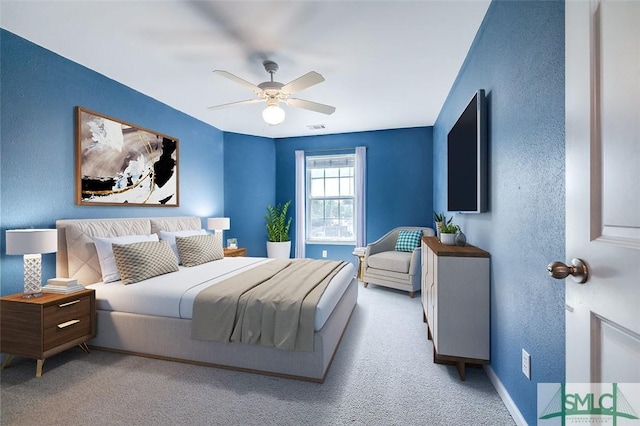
385 266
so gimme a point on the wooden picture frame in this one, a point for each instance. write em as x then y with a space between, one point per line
121 164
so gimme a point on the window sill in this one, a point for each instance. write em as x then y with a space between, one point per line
331 242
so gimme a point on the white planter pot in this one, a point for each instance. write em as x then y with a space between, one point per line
448 239
438 224
279 250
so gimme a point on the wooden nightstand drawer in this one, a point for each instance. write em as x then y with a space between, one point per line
236 252
67 310
66 331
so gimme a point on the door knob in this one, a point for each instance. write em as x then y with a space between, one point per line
578 270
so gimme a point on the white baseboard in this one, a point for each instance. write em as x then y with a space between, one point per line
506 398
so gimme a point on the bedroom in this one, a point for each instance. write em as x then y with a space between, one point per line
38 169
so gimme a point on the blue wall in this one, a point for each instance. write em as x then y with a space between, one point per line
249 186
39 93
399 178
518 58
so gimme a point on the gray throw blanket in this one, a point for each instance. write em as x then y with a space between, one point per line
272 304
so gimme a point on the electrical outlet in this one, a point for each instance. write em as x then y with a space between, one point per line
324 253
526 364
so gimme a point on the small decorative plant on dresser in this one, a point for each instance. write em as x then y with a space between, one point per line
448 233
439 219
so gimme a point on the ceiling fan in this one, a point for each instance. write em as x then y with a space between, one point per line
274 92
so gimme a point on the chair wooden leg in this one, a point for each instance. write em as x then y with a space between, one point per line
411 294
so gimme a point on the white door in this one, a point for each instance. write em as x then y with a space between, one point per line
603 189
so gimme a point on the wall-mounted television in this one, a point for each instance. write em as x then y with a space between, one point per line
467 159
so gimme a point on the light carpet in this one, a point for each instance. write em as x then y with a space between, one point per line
382 374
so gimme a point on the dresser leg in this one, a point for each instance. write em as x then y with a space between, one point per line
460 368
6 362
39 365
84 347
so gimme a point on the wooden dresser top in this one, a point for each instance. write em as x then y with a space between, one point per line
453 251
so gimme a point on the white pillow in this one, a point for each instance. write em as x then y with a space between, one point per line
170 237
105 253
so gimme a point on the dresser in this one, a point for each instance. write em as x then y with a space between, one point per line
455 301
44 326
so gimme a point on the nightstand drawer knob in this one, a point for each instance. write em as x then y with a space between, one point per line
73 302
68 323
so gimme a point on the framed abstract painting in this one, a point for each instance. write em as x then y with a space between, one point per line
118 163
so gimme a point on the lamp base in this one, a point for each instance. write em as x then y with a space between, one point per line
31 295
32 276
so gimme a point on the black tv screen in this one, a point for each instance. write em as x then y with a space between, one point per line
467 159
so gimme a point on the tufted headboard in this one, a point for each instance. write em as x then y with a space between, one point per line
77 257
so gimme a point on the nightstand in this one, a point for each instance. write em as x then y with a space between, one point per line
236 252
44 326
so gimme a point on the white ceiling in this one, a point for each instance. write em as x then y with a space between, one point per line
387 64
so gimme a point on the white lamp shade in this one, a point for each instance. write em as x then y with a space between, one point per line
273 115
32 241
218 223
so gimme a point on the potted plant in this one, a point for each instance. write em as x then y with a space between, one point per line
448 233
278 225
439 219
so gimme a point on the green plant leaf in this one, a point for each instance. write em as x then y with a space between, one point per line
278 225
439 217
449 228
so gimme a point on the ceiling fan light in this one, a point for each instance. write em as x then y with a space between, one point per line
273 115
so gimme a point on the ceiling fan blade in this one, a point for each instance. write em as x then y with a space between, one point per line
232 104
239 80
300 83
312 106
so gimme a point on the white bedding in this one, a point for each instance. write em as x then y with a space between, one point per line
172 295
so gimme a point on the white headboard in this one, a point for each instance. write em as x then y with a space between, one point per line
76 256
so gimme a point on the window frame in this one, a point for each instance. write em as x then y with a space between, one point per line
349 159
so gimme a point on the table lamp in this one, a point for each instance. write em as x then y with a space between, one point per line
218 224
32 243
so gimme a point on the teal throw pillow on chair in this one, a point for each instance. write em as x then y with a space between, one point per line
408 240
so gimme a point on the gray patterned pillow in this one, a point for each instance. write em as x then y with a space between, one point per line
143 260
199 249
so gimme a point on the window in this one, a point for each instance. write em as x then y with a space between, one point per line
330 189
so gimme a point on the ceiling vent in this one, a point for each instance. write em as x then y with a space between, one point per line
316 126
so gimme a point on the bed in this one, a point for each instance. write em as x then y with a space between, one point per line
157 324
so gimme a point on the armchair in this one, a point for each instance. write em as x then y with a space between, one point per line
385 266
